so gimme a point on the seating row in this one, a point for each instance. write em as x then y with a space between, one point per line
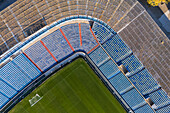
15 75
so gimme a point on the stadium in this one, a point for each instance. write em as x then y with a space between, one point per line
82 56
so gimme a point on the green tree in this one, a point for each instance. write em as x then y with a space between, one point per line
156 2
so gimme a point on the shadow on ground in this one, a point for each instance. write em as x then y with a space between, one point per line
6 3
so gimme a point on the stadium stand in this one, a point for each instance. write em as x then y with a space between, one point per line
99 56
101 32
165 109
26 65
16 77
120 83
160 98
137 99
132 64
109 69
116 48
87 38
57 45
40 55
44 52
10 92
20 21
144 82
3 99
72 33
143 109
131 15
121 11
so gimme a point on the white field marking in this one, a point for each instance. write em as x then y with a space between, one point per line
34 98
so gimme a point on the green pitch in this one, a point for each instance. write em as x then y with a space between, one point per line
73 89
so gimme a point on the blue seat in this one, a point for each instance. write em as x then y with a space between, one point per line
11 74
144 82
88 41
133 98
72 33
98 56
101 32
116 48
132 64
57 44
120 82
40 56
109 68
165 109
7 90
3 100
27 66
144 109
160 98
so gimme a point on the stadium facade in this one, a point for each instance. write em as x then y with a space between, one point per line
68 34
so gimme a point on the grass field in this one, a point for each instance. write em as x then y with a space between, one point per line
73 89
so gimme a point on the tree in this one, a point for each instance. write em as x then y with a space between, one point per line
156 2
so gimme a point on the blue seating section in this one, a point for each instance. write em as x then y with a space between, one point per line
109 68
40 56
19 72
165 109
72 33
101 32
144 109
160 98
26 65
132 64
98 56
88 41
3 100
14 76
45 29
116 48
120 82
57 44
144 82
6 89
133 98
